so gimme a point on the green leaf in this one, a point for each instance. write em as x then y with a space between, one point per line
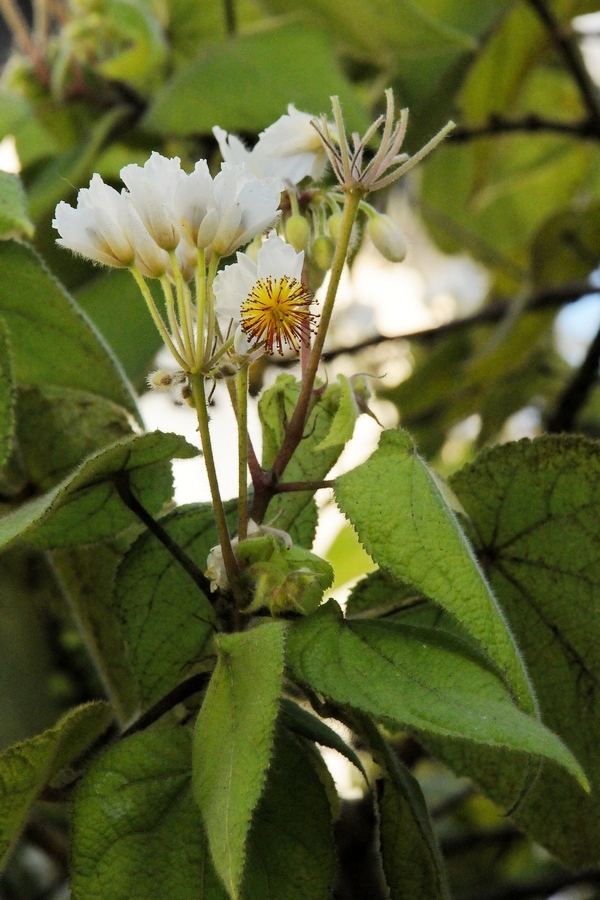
74 423
304 724
347 557
379 594
14 221
411 858
86 506
342 426
407 527
233 742
165 616
534 509
7 395
290 847
296 512
137 832
25 769
52 341
87 576
247 83
417 677
136 828
116 307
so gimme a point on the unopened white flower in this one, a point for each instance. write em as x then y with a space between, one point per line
99 228
194 206
289 149
267 297
152 189
245 206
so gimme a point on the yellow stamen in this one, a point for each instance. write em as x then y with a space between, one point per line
277 310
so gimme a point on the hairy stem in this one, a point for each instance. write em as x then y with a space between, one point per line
242 418
229 560
296 425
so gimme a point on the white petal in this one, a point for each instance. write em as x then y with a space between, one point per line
276 259
232 285
152 189
193 200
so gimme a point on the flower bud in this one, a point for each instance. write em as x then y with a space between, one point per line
322 252
160 380
334 224
297 232
387 238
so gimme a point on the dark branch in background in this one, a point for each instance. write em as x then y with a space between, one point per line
494 312
575 394
502 838
121 482
187 688
496 124
537 888
230 17
567 47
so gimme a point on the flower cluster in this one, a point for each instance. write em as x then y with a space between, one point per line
166 210
176 226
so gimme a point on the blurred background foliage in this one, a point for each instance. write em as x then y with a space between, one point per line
90 85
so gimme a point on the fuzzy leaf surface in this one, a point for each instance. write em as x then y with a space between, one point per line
417 677
290 847
26 768
535 508
411 858
137 832
233 742
53 341
87 575
166 618
74 423
86 507
408 528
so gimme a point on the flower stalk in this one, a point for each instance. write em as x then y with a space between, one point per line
229 560
242 419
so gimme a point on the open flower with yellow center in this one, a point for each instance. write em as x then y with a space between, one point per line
267 297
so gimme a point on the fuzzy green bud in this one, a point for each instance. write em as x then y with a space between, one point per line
322 252
334 223
297 232
387 238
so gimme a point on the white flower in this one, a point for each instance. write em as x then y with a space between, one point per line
245 206
98 228
194 206
292 143
105 227
152 189
267 297
289 149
